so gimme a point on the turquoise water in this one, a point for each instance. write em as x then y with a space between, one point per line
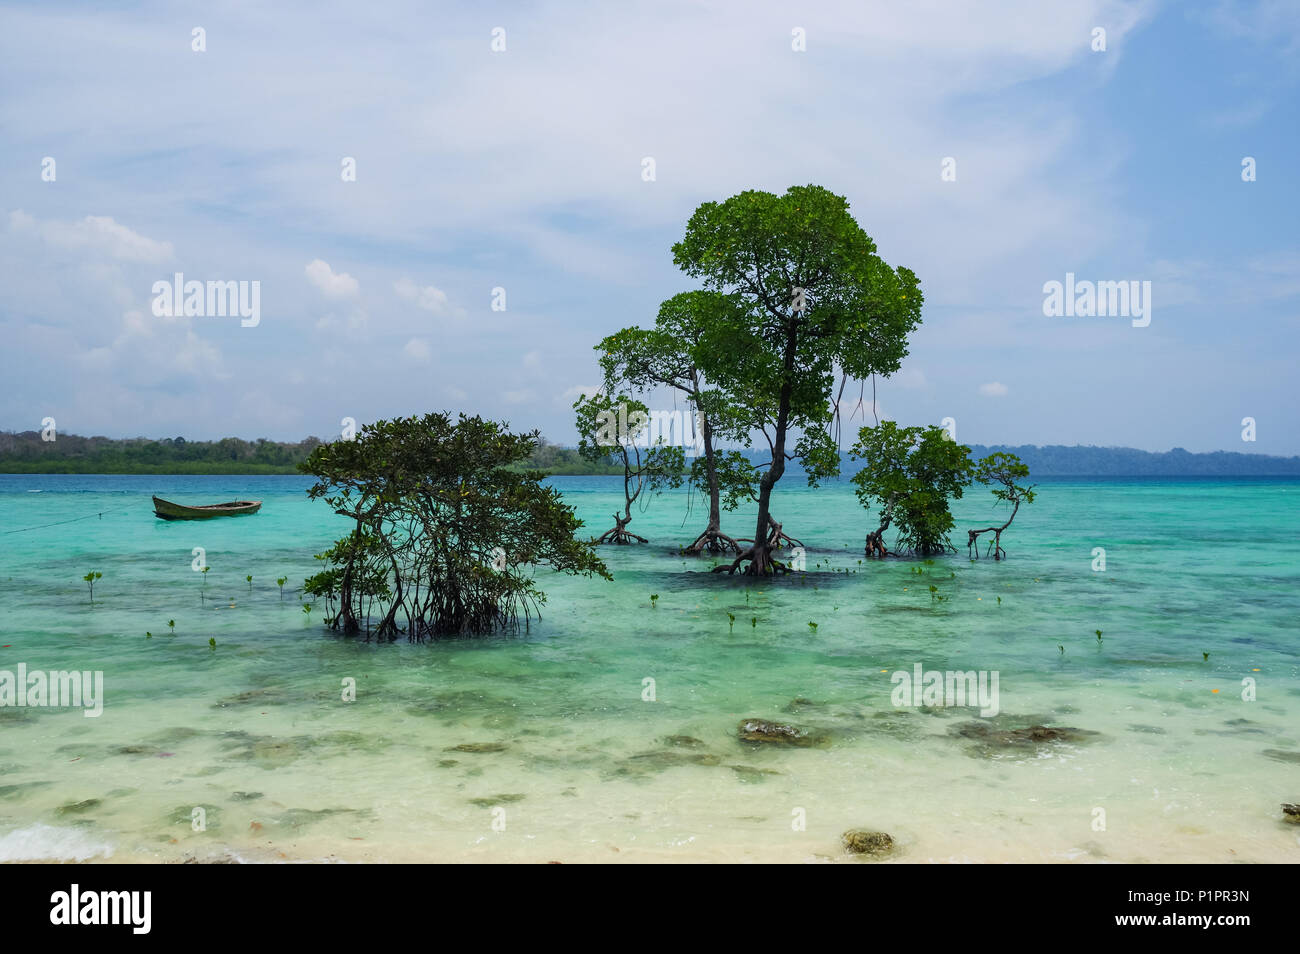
577 766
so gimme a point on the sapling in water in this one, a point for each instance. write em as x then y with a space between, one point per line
171 624
249 578
280 581
90 579
654 600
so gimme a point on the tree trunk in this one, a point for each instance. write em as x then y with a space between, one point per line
972 536
759 553
712 539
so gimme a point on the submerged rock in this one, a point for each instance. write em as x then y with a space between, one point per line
998 736
245 796
76 808
748 773
497 800
779 733
1282 755
798 704
1291 812
644 763
689 741
137 750
860 841
478 747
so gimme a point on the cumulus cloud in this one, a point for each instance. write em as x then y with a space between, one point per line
417 349
993 389
332 284
428 297
97 234
572 394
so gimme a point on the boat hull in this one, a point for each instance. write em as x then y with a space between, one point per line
174 511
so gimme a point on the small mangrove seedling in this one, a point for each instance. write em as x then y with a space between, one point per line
1205 657
148 635
90 579
212 642
306 609
812 626
171 624
1062 649
999 601
731 622
654 600
1098 632
280 581
934 592
249 578
203 584
753 622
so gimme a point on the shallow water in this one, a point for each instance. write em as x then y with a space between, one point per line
578 766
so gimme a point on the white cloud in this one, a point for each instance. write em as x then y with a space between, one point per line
428 297
96 234
334 285
993 389
418 350
568 397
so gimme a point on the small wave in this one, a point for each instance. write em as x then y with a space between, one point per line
47 843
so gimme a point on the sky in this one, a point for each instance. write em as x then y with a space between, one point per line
517 175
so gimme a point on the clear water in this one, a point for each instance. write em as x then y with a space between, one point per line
255 732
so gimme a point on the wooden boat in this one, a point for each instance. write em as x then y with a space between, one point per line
174 511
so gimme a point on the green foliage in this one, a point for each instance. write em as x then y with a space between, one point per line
439 515
616 427
813 300
910 475
809 302
673 355
90 579
1005 472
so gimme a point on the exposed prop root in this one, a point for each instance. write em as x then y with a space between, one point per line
619 534
711 541
760 560
995 545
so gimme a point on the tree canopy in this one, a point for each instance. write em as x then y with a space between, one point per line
814 301
910 475
445 533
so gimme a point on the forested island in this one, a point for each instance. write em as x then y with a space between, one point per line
25 453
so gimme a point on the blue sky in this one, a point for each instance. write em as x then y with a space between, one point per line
522 170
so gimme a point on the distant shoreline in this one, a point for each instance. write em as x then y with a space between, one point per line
28 453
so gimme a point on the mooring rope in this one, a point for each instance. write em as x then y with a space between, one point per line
60 522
